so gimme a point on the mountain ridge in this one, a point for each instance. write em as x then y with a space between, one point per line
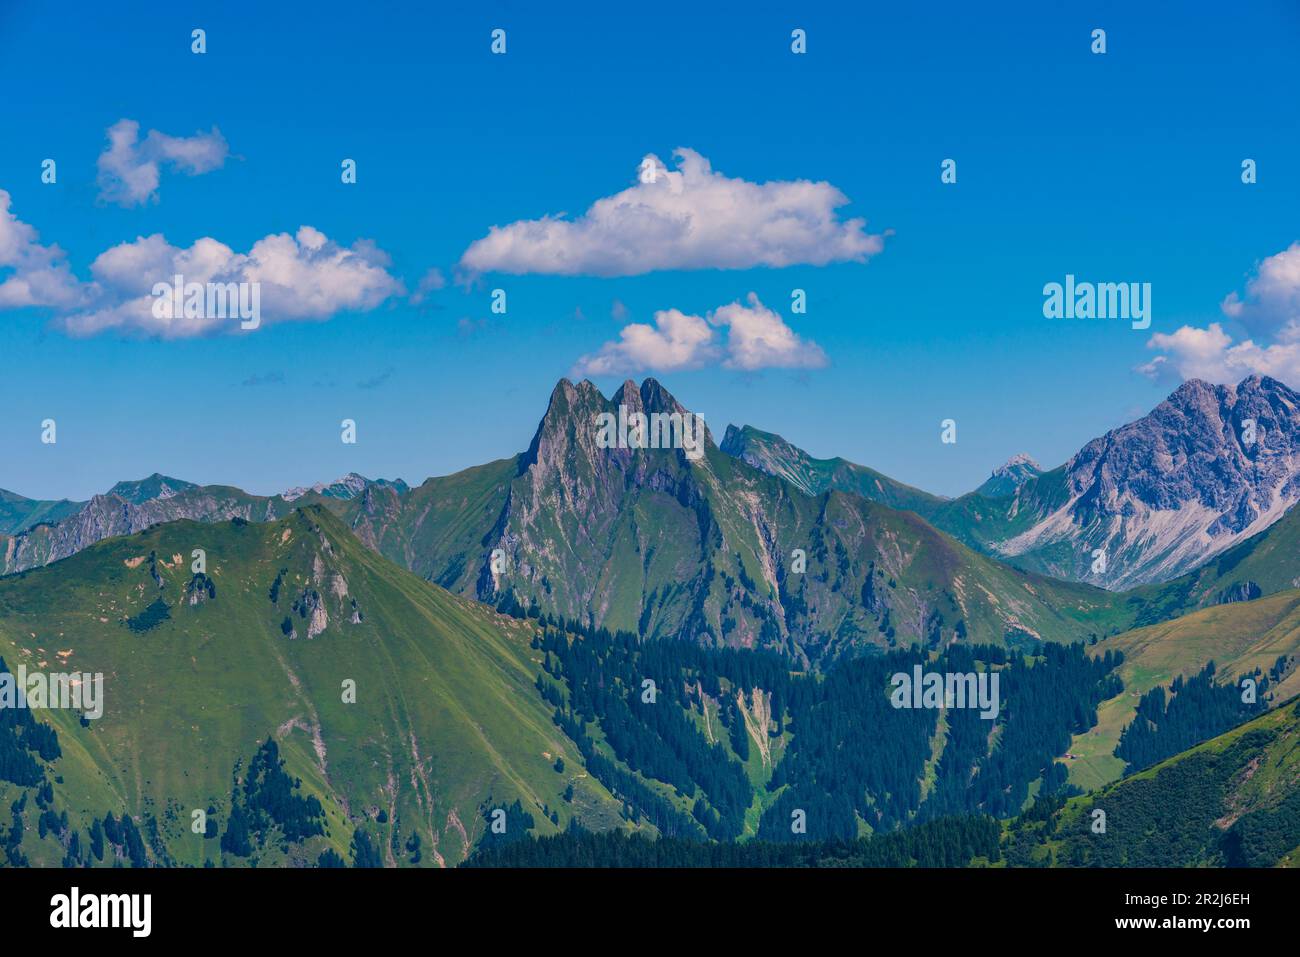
1207 469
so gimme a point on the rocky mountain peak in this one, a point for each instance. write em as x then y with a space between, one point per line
628 395
571 419
655 398
155 486
1208 466
349 486
1010 475
1018 462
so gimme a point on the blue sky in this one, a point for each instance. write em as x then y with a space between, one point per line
1117 167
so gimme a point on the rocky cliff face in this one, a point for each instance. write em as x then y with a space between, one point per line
1209 467
585 526
106 516
131 507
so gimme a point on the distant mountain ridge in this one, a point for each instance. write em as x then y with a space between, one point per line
348 487
1164 494
130 507
771 453
1209 467
17 513
153 487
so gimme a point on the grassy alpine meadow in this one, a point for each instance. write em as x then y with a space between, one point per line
401 708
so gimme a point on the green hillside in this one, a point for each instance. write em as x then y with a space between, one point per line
1234 800
199 670
1239 638
771 453
17 514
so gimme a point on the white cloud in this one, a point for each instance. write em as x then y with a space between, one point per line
1269 311
305 276
756 338
676 341
130 169
759 339
31 274
1272 300
688 218
1211 354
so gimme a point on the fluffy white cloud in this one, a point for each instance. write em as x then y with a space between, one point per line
130 169
688 218
676 341
1269 311
755 338
1211 354
305 276
759 339
31 274
1272 300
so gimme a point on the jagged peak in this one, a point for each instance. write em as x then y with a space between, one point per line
1262 383
567 401
570 403
629 395
1194 394
1018 463
656 398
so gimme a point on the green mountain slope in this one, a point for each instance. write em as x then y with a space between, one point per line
199 670
1240 638
770 453
1233 800
17 514
438 529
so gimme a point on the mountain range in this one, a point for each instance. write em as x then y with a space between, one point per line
652 542
368 671
1209 467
